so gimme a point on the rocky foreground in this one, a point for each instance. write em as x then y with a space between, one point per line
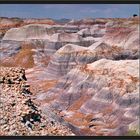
20 114
83 74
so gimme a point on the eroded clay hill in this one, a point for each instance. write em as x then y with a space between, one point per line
85 70
101 98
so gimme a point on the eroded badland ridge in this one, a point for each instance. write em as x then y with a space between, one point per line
78 77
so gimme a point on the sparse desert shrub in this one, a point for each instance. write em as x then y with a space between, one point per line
132 133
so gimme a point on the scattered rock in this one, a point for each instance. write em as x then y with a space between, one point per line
19 113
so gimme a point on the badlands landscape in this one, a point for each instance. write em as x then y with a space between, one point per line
69 77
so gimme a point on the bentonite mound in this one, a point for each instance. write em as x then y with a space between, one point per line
83 74
111 46
105 90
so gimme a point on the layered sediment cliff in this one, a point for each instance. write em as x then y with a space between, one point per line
86 71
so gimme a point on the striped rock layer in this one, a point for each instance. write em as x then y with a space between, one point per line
87 69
